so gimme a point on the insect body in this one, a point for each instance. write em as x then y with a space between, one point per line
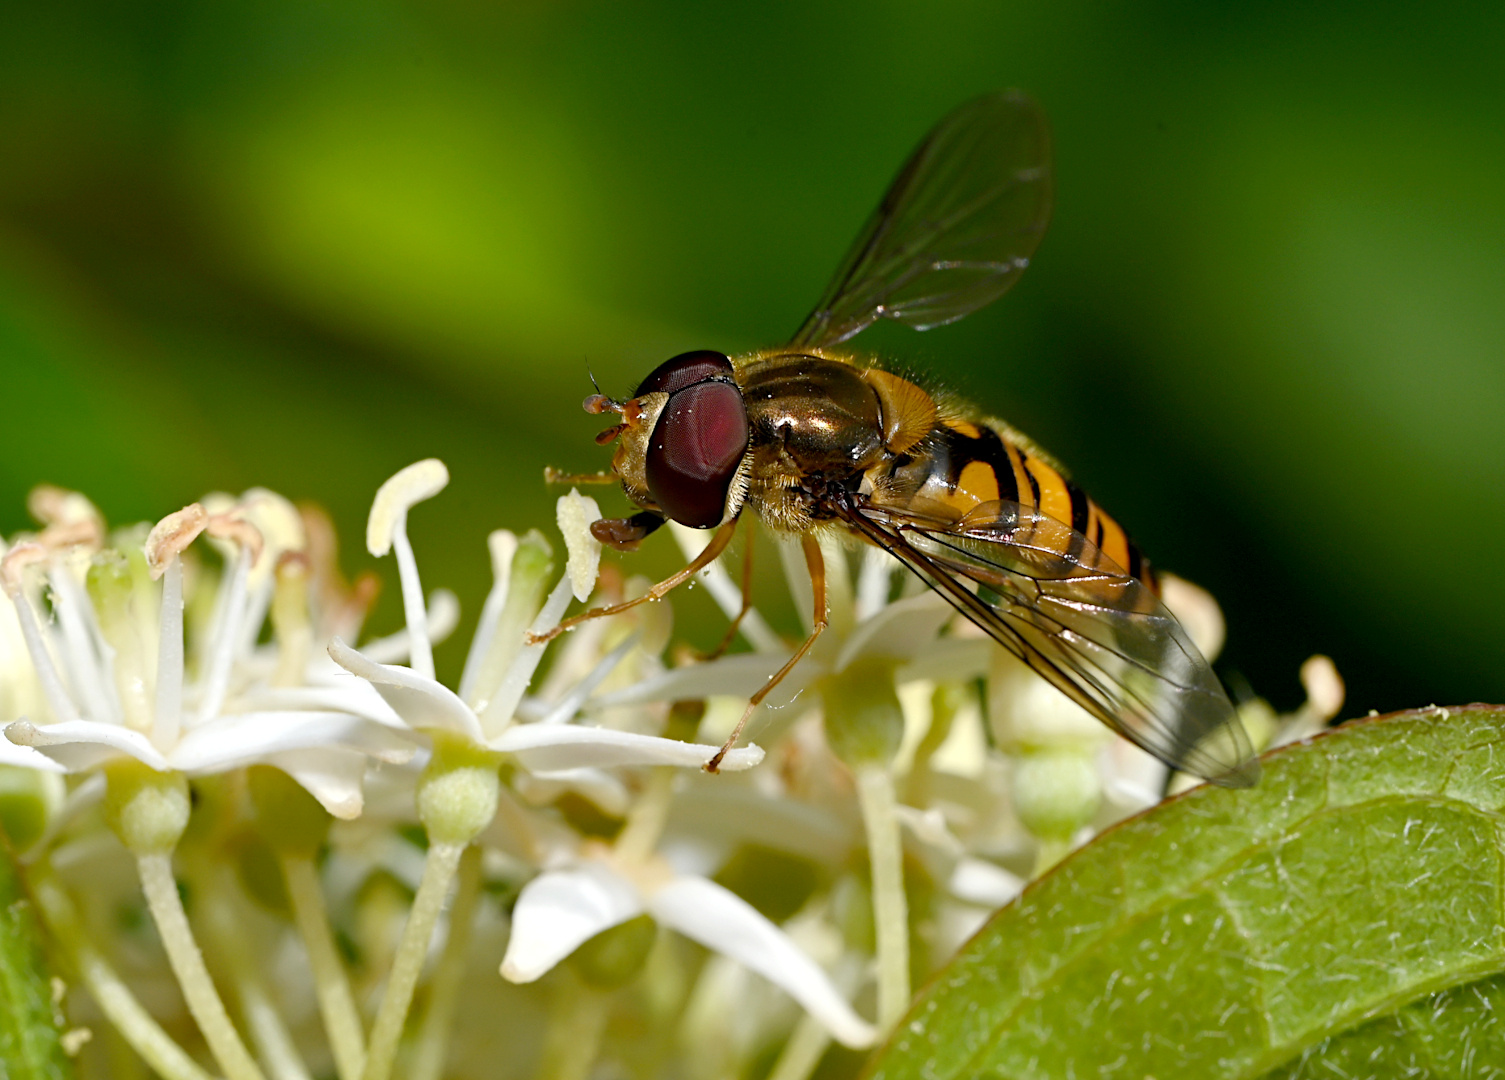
810 437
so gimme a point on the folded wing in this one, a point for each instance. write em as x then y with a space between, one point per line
1101 636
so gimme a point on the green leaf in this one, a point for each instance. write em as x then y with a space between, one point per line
1266 933
29 1045
1452 1035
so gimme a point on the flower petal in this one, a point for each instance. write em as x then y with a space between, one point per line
597 786
725 816
719 919
949 659
558 911
557 747
732 676
421 702
331 776
343 694
986 884
227 742
27 758
78 745
898 631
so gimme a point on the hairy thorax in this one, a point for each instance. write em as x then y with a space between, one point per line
818 424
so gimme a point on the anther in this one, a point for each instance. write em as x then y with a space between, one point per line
171 535
238 531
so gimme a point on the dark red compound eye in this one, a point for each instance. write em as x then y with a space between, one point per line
695 449
684 370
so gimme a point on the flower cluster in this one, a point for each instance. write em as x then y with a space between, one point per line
268 846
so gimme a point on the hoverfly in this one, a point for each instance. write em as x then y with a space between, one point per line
810 437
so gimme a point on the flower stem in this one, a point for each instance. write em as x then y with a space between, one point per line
187 964
438 870
645 823
444 987
342 1022
575 1031
1049 852
269 1032
875 793
228 936
802 1053
126 1014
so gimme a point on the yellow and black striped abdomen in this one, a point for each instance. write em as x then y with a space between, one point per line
964 464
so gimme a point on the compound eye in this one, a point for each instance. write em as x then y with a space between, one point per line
684 370
694 452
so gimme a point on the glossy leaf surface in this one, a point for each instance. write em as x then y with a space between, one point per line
1260 933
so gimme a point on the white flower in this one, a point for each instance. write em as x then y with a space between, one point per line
562 908
905 632
121 692
500 665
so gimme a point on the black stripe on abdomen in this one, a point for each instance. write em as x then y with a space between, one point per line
989 448
1080 512
1080 508
1034 485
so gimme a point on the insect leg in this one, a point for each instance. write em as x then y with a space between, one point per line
817 567
657 592
731 631
552 475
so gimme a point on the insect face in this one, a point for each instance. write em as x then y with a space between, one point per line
684 437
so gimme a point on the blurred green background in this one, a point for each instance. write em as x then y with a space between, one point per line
302 243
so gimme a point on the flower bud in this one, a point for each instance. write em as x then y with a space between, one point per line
147 809
614 956
458 792
1027 713
28 798
1056 792
864 720
287 816
258 871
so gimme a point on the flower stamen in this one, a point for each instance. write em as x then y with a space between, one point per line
387 530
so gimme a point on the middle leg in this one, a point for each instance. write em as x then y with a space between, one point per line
816 564
731 631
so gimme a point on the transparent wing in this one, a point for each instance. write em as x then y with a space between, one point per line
1098 634
955 230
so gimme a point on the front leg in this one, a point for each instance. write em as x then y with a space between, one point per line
657 592
731 631
625 534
